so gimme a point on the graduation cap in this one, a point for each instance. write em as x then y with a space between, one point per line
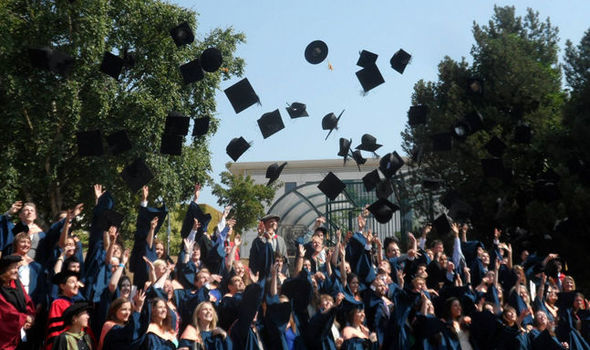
171 144
417 115
471 123
493 167
431 183
316 52
390 164
371 179
211 59
368 143
330 122
147 214
296 110
366 59
331 186
384 189
442 224
241 95
20 227
52 60
137 174
236 147
273 172
118 142
112 65
270 123
475 86
8 260
182 34
546 191
89 143
383 210
522 134
370 77
176 124
495 146
460 210
201 126
441 142
74 310
358 159
62 277
344 148
400 60
192 71
109 218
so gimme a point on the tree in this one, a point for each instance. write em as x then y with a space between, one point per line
247 198
42 110
515 62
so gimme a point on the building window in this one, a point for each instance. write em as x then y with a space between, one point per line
290 186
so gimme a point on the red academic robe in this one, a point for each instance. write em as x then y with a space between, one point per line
56 322
11 320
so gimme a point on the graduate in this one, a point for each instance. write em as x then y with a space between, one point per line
320 332
244 333
356 335
67 282
126 325
160 334
76 319
203 332
17 310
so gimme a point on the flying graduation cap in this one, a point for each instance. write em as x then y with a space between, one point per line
211 59
192 71
51 60
182 34
118 142
273 172
371 179
137 174
390 164
400 60
495 146
296 110
236 147
330 122
241 95
112 65
201 126
370 77
367 59
176 124
89 143
383 210
171 144
331 186
344 148
316 52
358 158
270 123
417 115
368 143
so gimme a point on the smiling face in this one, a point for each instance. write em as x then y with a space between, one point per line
124 312
10 274
271 225
393 250
70 288
81 320
456 309
159 250
358 317
125 288
23 244
159 311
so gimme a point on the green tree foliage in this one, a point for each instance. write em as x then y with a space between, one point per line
516 59
42 111
247 198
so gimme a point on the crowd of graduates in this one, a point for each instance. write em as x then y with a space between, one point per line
361 293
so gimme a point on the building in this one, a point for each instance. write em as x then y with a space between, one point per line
299 201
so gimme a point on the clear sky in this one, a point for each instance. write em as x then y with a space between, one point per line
278 31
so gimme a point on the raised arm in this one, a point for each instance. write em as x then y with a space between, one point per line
232 253
114 282
274 280
150 237
299 260
342 266
457 252
72 213
152 272
112 234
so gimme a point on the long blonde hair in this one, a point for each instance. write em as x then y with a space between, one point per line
198 309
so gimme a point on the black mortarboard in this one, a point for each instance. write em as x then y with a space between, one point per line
8 260
449 198
331 186
460 210
344 148
63 276
383 210
118 142
171 144
384 189
546 191
112 65
270 123
370 77
495 146
316 52
201 126
192 71
470 124
493 167
475 86
147 214
236 147
19 227
417 115
371 179
176 124
330 122
109 218
358 158
89 143
366 59
400 60
274 171
368 143
211 59
441 142
522 134
52 60
137 174
74 310
297 110
182 34
431 183
241 95
442 224
390 164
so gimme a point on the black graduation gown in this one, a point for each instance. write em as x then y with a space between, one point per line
241 333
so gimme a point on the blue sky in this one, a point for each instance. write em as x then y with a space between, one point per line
277 33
